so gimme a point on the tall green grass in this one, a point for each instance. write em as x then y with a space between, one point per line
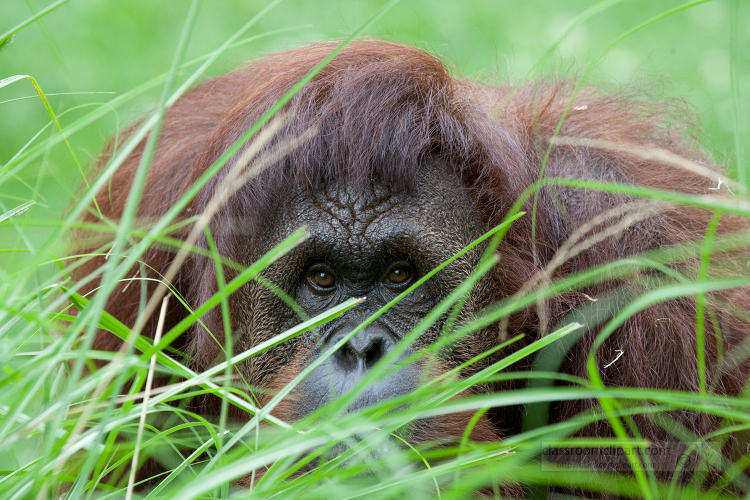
69 429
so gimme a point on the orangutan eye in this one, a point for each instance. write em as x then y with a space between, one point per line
321 278
399 275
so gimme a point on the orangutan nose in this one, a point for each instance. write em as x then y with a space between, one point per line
350 363
363 350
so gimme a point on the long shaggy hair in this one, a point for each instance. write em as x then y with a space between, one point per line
379 110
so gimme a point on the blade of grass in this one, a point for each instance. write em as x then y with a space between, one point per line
6 36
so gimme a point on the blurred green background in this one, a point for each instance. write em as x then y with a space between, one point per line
99 49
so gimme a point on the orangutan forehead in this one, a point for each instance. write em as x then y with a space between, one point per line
364 224
358 203
355 206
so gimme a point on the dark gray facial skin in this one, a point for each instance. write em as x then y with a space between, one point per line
373 243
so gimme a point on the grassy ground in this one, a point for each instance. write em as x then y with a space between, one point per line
66 429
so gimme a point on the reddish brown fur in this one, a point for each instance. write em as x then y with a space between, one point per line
381 109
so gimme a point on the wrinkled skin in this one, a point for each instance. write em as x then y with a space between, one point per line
371 243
